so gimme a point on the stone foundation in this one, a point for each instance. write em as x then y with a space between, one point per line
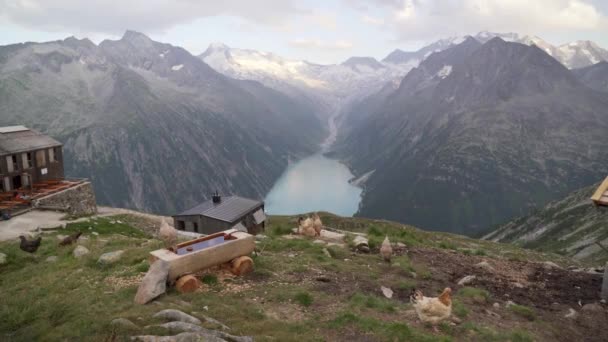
76 201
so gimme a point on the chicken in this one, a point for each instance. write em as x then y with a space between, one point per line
386 250
317 224
29 246
167 233
70 239
305 227
433 309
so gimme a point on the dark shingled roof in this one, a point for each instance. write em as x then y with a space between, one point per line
230 209
24 140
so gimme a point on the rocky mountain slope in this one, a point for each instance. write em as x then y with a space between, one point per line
476 135
570 226
154 127
594 76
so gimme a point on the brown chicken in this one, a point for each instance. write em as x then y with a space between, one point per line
70 239
29 246
317 224
433 309
386 250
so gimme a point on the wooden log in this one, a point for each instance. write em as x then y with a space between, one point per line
241 265
600 191
187 284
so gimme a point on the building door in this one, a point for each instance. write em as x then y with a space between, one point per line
17 182
25 180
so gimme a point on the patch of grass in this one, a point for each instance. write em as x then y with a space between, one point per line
422 271
480 252
523 311
477 295
210 279
447 245
303 298
459 309
487 334
407 285
104 226
372 302
337 252
279 230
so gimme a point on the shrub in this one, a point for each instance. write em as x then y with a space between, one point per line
303 298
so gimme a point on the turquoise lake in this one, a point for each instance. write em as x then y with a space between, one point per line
316 183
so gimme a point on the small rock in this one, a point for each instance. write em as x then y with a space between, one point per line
124 323
593 307
571 314
550 265
206 308
260 237
518 285
95 233
319 242
466 280
496 306
112 222
387 292
326 252
52 258
90 228
485 266
176 315
110 257
61 237
400 245
413 275
154 283
177 327
492 313
80 251
509 303
2 258
119 222
291 255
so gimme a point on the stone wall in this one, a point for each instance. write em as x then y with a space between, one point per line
77 201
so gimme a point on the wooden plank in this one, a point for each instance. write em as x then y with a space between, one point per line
179 265
600 190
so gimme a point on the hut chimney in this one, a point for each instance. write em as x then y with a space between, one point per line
216 198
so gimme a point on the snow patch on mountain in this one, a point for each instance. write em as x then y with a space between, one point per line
445 71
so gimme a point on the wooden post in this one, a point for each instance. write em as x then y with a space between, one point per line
605 283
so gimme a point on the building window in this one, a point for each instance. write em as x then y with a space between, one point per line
40 158
56 153
27 160
181 225
14 161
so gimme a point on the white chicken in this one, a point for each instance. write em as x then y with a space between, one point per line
167 233
305 227
386 250
433 309
317 224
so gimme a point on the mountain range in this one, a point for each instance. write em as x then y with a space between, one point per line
475 135
153 126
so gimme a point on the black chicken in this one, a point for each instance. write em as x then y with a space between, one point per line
29 246
70 239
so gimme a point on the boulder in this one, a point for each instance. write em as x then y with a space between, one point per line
205 334
593 307
124 323
176 315
2 258
183 337
571 314
80 251
387 292
485 266
361 244
466 280
110 257
154 283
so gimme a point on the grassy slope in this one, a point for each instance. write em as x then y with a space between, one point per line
282 300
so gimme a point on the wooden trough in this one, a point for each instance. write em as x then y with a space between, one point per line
216 249
600 197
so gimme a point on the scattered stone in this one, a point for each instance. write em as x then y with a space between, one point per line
571 314
119 222
509 303
387 292
361 244
319 242
326 252
593 307
61 237
95 233
183 337
216 322
123 323
496 306
260 237
206 334
80 251
112 222
154 283
413 275
550 265
485 266
466 280
518 285
492 313
2 258
206 308
90 228
110 257
176 315
52 258
400 245
291 255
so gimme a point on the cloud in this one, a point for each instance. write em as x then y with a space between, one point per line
113 17
372 20
430 19
321 44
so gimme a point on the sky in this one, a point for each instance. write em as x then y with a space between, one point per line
321 31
